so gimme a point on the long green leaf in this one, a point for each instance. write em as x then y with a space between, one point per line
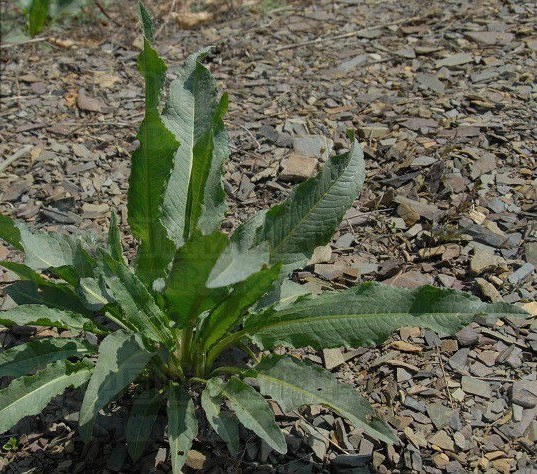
29 395
9 232
122 358
367 315
312 212
140 312
244 295
194 197
253 412
29 357
34 289
142 417
293 383
224 424
186 293
40 315
182 425
152 163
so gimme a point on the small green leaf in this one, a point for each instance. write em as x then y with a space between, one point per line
9 232
186 294
29 395
254 413
152 163
293 383
40 315
122 358
115 249
224 424
366 315
29 357
144 411
37 16
182 425
194 197
147 23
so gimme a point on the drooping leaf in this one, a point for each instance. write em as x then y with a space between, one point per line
366 315
244 295
140 312
122 358
9 232
182 425
312 212
224 424
115 249
186 293
284 294
253 412
45 250
40 315
37 16
235 265
29 395
194 197
293 383
93 296
142 417
152 163
34 289
26 358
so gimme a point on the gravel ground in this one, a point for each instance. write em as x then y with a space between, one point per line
443 98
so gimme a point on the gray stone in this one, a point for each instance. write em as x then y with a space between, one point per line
352 460
428 81
332 358
455 60
476 387
524 393
521 273
458 360
316 146
439 414
414 404
530 252
483 261
344 241
467 337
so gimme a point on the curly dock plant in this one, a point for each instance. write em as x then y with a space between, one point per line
162 326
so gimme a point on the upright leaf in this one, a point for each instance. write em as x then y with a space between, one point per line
186 293
293 383
140 312
142 417
37 16
9 232
29 357
152 163
224 424
182 425
194 196
244 295
40 315
254 413
366 315
29 395
115 249
122 358
312 212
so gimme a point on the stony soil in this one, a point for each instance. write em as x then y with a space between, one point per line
443 97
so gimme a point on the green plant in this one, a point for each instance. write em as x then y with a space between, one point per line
11 444
39 11
164 325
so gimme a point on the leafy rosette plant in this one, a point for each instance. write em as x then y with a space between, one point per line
162 326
